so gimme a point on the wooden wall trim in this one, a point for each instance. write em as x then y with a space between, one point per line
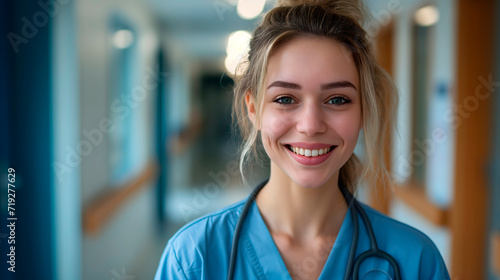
98 213
475 40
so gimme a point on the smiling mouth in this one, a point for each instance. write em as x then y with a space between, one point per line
310 153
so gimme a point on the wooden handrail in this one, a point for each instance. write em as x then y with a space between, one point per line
98 212
415 197
495 253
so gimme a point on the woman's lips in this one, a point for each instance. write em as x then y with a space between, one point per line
313 159
309 146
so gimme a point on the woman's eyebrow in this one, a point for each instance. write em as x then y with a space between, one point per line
340 84
334 85
284 85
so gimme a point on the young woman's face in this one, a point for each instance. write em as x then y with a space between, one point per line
312 106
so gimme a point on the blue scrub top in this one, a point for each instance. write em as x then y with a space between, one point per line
202 248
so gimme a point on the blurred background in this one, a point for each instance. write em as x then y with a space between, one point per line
115 124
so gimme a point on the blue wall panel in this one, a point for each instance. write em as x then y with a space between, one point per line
30 137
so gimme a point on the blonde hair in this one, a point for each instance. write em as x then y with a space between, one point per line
342 21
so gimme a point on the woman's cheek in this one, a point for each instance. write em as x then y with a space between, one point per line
274 124
347 127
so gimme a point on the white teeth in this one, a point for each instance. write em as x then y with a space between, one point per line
310 153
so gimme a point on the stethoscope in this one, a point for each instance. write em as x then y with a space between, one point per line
353 263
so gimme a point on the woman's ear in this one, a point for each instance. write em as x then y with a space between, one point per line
250 102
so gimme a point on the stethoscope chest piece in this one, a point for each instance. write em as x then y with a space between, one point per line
376 274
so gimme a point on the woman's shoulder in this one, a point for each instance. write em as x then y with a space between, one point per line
404 242
394 230
184 256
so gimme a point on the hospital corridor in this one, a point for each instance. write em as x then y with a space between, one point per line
116 129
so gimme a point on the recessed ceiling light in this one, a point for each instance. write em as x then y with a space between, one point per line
427 16
123 38
250 9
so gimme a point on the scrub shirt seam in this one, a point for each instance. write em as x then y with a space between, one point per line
255 260
179 263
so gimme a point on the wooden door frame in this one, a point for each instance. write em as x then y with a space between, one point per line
380 196
468 221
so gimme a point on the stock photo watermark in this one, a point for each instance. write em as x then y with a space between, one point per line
455 117
121 276
31 26
471 103
382 18
11 219
201 198
122 108
223 6
379 19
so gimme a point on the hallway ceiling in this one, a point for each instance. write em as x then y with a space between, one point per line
201 27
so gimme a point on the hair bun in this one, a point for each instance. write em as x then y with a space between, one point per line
353 9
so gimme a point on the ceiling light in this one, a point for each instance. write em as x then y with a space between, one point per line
231 63
249 9
427 16
238 43
123 38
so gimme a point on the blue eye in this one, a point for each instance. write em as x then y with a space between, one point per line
285 100
338 100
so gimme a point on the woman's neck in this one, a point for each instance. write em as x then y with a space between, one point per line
302 214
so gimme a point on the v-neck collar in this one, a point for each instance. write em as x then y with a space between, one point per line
267 260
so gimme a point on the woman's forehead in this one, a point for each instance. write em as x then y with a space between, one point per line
312 62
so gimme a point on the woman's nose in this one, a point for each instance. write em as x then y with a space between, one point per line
311 120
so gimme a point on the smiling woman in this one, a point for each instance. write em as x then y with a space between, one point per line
322 110
310 84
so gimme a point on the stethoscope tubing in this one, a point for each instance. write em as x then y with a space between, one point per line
374 251
355 234
353 263
237 230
